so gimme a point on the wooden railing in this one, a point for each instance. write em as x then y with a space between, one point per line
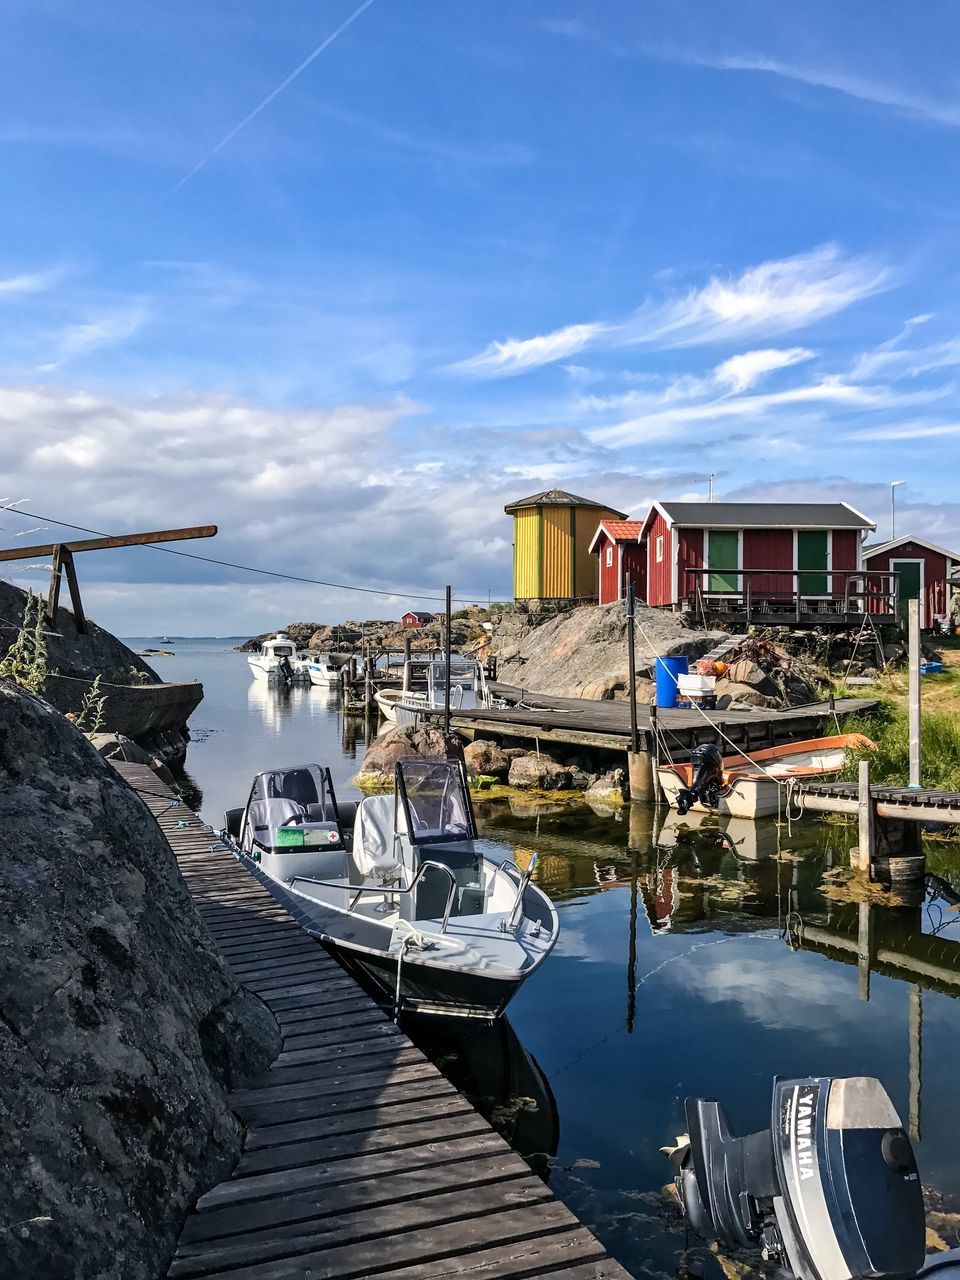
756 593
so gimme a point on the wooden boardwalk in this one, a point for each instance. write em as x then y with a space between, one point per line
360 1159
912 804
589 723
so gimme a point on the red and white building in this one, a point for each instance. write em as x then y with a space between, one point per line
621 555
764 555
923 571
415 619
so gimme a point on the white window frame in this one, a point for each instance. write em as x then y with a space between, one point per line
609 556
658 549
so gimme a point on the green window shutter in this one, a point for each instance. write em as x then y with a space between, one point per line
812 555
723 549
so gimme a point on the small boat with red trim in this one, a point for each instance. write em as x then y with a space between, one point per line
750 787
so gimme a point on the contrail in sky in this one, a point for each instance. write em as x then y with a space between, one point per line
274 93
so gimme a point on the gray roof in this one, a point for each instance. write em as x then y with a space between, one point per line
766 515
558 498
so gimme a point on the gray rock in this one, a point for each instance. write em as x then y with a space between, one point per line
121 1026
483 757
730 694
610 789
539 773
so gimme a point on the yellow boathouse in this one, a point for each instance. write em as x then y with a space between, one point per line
552 532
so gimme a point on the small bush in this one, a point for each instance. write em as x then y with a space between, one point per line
90 716
26 659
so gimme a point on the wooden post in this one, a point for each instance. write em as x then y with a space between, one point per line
865 949
632 667
865 819
654 743
913 629
447 628
368 701
915 1022
53 598
407 646
71 572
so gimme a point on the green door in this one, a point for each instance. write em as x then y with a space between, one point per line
812 554
723 551
909 571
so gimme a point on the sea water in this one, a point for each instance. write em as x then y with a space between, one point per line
694 958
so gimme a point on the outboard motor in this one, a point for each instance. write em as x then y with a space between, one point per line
829 1192
707 765
286 671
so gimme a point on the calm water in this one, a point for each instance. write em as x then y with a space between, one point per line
673 974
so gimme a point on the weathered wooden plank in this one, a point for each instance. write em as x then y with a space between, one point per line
414 1132
356 1112
367 1193
350 1168
351 1096
575 1254
404 1067
358 1243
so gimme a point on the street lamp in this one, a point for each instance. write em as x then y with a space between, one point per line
894 485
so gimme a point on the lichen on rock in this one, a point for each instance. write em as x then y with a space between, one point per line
121 1027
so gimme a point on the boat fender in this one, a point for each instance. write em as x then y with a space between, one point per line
707 783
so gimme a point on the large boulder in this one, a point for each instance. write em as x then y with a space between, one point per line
730 694
482 757
121 1026
403 742
539 773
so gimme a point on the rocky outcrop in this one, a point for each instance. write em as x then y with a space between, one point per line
403 742
539 773
582 653
120 1026
486 759
466 633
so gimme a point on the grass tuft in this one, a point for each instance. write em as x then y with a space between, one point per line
889 728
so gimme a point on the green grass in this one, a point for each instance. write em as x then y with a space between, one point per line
888 726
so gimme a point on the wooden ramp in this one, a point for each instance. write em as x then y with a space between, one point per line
360 1158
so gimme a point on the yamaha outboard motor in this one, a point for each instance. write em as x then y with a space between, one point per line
707 783
286 670
829 1192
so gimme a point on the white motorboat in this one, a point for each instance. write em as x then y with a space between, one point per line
467 689
321 670
275 659
751 788
406 900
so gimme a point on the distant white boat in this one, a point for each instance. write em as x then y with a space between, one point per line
275 659
321 670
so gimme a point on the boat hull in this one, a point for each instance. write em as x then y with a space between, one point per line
323 679
746 798
425 990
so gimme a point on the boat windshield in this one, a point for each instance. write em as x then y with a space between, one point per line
436 801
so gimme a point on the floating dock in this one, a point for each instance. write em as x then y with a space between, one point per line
584 722
360 1159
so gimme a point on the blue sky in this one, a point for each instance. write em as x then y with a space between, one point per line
469 252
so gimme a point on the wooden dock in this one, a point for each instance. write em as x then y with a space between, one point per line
606 724
911 804
360 1159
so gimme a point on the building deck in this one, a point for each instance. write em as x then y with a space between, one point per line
606 724
360 1159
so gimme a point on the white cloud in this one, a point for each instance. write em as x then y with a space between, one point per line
775 297
30 282
516 355
847 83
741 372
107 330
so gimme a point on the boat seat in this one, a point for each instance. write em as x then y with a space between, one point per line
375 852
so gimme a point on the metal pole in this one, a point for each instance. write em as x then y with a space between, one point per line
632 667
913 630
446 645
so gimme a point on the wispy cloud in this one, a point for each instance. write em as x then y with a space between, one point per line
848 83
743 371
773 298
30 282
515 355
107 330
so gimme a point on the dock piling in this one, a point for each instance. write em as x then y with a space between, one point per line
865 819
913 639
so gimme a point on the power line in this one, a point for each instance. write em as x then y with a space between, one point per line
245 568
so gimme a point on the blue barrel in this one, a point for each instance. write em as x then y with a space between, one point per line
667 671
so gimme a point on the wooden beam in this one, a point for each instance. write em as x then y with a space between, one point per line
71 572
104 544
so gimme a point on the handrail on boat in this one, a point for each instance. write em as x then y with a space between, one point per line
511 920
364 888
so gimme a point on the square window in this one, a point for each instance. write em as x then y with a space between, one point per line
659 548
609 557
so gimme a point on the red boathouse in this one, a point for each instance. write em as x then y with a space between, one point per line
621 555
798 558
923 570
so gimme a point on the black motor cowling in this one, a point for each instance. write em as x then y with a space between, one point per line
829 1192
707 782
